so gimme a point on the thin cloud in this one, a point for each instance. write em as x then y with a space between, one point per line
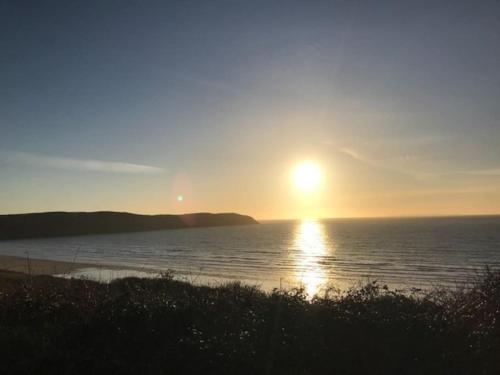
432 192
353 154
359 157
356 155
80 164
485 172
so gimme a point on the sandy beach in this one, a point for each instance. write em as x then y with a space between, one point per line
40 266
14 267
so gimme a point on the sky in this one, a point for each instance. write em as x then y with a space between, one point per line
173 107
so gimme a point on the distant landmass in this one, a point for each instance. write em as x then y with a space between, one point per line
58 224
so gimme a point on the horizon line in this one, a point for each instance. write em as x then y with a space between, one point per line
424 216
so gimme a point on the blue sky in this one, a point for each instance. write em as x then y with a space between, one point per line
125 105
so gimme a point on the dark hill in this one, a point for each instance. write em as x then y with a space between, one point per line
55 224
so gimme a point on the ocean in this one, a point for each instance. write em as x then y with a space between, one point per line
313 254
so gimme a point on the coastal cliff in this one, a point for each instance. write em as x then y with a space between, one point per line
57 224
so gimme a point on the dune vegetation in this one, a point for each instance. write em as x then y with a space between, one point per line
161 326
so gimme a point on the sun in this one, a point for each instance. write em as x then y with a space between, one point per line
307 176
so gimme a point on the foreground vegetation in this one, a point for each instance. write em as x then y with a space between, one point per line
162 326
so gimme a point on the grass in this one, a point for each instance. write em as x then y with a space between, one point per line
164 326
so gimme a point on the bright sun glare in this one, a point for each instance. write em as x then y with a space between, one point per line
307 176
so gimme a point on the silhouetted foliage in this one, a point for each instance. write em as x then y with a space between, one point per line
146 326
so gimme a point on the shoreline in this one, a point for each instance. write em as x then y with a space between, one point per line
16 266
37 267
11 265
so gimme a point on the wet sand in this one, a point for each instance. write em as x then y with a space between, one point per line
41 266
19 267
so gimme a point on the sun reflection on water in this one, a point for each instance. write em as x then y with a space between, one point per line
311 245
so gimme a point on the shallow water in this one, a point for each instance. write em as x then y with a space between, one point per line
399 252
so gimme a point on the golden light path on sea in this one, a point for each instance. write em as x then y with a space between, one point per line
311 245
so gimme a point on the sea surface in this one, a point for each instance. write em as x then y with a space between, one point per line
314 254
